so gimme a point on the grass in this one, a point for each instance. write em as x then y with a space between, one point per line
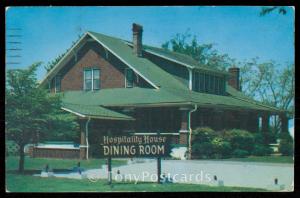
25 183
266 159
12 163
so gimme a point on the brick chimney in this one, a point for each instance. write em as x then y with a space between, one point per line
137 33
234 79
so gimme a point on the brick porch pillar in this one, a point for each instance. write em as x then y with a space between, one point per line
252 124
284 123
184 130
83 148
265 128
244 120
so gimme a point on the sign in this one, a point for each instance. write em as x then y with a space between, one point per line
135 146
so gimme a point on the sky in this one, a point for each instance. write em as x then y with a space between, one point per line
239 31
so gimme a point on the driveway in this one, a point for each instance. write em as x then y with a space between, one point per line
227 173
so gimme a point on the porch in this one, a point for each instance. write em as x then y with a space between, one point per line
179 121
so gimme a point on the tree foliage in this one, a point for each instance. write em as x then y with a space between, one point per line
266 10
204 54
271 85
31 112
262 81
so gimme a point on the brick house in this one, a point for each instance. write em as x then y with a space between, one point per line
117 86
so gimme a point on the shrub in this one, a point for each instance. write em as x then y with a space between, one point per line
286 146
261 150
201 143
240 139
203 150
204 134
222 148
259 138
239 153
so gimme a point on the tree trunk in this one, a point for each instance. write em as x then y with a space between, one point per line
22 158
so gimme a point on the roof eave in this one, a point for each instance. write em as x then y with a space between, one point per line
133 68
52 73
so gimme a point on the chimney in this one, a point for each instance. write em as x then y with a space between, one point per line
137 32
234 79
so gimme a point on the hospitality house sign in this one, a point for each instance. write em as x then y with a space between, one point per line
135 146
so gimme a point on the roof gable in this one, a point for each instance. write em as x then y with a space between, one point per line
152 73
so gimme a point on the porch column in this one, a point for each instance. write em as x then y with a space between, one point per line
218 119
82 140
265 128
252 124
284 123
184 131
244 120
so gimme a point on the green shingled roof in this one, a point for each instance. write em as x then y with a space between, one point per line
162 97
146 68
171 91
240 95
122 97
181 58
95 111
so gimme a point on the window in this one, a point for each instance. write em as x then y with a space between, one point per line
128 77
202 82
206 82
211 83
57 81
91 79
96 79
217 90
221 86
196 81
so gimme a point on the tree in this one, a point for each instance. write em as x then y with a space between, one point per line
266 10
204 54
270 85
30 109
260 81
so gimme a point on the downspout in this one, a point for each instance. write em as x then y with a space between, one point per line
190 79
87 137
190 129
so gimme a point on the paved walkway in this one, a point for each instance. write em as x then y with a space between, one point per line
227 173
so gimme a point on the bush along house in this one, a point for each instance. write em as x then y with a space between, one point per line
116 86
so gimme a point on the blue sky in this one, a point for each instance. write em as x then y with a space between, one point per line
239 31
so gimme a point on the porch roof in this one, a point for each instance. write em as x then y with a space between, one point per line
94 111
120 97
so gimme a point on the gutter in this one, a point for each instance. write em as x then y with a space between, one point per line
87 137
190 129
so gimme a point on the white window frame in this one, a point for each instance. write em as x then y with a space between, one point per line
55 80
92 70
126 69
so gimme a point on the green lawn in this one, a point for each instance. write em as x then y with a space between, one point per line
267 159
25 183
28 183
12 163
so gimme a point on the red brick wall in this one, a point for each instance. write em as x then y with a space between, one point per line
93 55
